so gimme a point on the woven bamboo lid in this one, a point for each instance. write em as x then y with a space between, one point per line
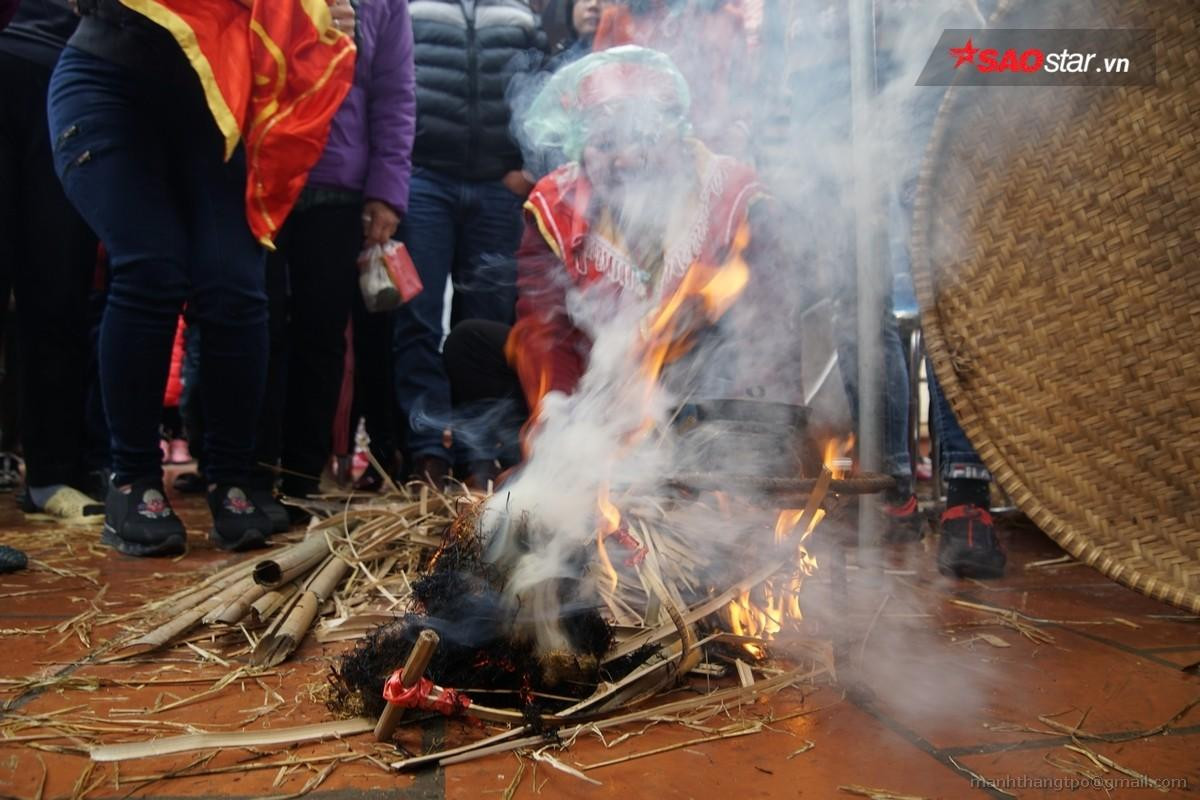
1056 254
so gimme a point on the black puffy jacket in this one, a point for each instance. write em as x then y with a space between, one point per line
465 54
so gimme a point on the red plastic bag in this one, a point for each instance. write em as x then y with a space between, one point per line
388 277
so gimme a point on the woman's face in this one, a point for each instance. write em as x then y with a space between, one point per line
585 16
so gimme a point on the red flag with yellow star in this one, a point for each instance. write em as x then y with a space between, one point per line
274 73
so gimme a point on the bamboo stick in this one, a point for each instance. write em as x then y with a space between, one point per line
414 669
281 640
239 608
292 562
201 741
695 613
262 608
733 696
818 494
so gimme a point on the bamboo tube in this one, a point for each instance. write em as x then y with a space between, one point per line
326 580
262 608
279 643
168 631
233 612
414 668
281 640
292 562
227 596
188 600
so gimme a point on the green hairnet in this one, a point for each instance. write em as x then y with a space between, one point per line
636 78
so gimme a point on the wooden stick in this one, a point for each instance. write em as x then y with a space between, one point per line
732 696
414 668
818 494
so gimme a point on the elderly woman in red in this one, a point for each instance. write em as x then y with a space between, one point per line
640 202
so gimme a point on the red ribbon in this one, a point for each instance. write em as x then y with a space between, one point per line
446 701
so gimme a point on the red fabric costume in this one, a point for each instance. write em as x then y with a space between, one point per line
560 251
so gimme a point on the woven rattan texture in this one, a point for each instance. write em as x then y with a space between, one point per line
1056 253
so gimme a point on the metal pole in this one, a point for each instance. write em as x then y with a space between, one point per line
868 252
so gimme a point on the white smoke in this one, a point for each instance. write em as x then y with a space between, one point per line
797 112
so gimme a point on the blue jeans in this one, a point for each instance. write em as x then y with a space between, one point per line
897 461
466 232
142 162
958 457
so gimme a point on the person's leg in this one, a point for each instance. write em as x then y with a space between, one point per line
112 159
11 154
489 406
374 389
958 458
485 264
325 242
968 546
52 281
904 522
99 455
485 288
229 304
190 410
422 391
268 440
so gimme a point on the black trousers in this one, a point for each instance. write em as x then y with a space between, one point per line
311 283
374 386
47 257
489 405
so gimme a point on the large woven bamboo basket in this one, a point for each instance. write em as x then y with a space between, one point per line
1056 254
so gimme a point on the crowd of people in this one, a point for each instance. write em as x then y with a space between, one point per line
506 146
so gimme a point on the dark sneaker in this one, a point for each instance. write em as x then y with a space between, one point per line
969 547
238 524
905 522
12 559
10 472
141 522
266 502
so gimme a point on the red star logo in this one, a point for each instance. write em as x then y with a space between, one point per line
964 54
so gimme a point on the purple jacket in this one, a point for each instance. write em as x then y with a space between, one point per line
369 148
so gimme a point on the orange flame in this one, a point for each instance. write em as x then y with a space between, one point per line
666 331
666 335
781 596
610 521
836 456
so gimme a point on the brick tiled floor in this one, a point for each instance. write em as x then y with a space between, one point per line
919 692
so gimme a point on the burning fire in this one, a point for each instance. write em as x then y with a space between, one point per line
609 522
781 596
666 335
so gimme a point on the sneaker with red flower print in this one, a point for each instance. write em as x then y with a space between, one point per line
969 547
238 524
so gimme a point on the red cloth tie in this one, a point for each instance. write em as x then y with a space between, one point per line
446 701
